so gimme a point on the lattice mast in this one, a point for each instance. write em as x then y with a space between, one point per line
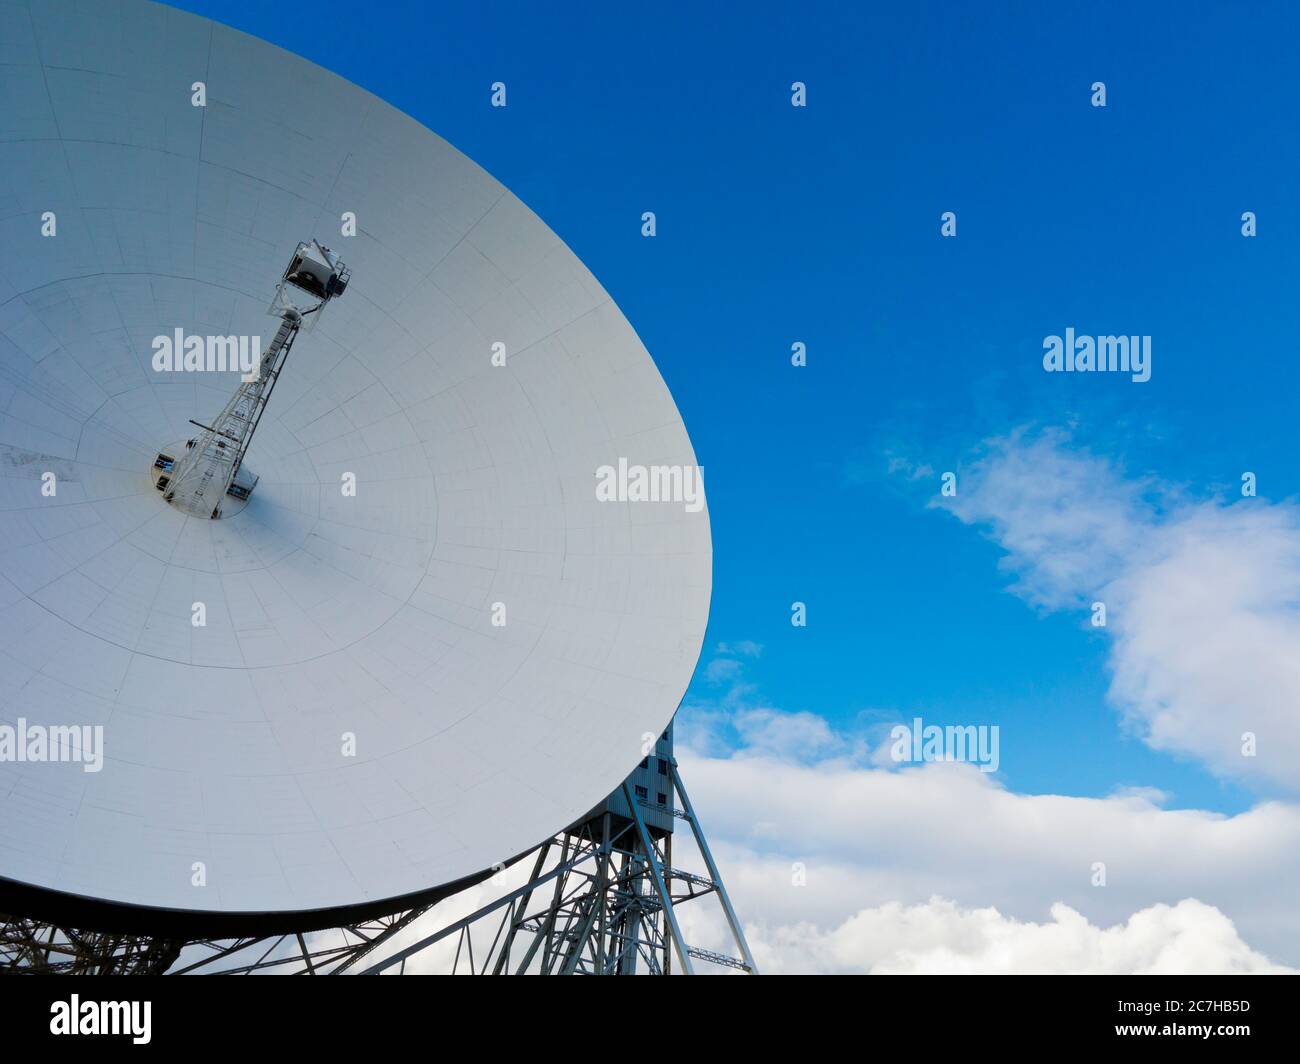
602 897
213 464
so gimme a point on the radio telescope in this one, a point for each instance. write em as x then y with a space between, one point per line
395 641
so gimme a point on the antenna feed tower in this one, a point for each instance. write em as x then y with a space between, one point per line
212 466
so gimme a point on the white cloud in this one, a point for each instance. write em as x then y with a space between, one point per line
746 648
720 670
802 736
736 726
939 937
1070 522
1202 597
1207 640
899 465
869 838
727 662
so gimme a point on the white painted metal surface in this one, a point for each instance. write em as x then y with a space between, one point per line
327 615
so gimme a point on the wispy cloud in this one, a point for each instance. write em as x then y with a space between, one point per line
1070 522
734 719
1202 596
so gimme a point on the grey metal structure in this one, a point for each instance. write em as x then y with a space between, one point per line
601 898
336 951
31 946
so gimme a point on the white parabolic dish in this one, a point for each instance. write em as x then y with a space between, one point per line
225 785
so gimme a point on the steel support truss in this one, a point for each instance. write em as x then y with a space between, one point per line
332 952
38 948
601 899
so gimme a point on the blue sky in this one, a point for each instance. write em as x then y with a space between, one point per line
821 225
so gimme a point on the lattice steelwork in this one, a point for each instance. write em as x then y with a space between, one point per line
331 952
37 948
601 900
